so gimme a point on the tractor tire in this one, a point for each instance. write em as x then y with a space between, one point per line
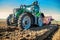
42 15
8 20
25 21
40 22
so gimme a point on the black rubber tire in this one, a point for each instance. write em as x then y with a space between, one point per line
9 17
40 22
20 20
42 15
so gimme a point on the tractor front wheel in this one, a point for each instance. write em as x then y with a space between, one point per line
40 22
24 21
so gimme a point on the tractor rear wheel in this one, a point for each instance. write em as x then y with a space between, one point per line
24 21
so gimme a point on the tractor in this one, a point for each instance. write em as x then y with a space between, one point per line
27 15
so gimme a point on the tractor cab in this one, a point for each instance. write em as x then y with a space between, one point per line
34 7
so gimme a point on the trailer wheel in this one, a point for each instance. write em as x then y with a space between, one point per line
24 21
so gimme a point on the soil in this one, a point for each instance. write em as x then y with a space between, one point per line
34 33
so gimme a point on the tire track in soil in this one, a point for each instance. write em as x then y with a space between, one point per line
49 37
12 30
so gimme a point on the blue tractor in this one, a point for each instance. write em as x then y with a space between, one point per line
26 15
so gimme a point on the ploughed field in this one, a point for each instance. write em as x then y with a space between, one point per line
34 33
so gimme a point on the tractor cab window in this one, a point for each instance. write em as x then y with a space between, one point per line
36 6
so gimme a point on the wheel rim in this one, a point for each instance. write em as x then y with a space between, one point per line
40 22
26 22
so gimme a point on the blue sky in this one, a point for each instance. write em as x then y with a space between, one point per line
47 6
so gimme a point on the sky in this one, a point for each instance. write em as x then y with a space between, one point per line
48 7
